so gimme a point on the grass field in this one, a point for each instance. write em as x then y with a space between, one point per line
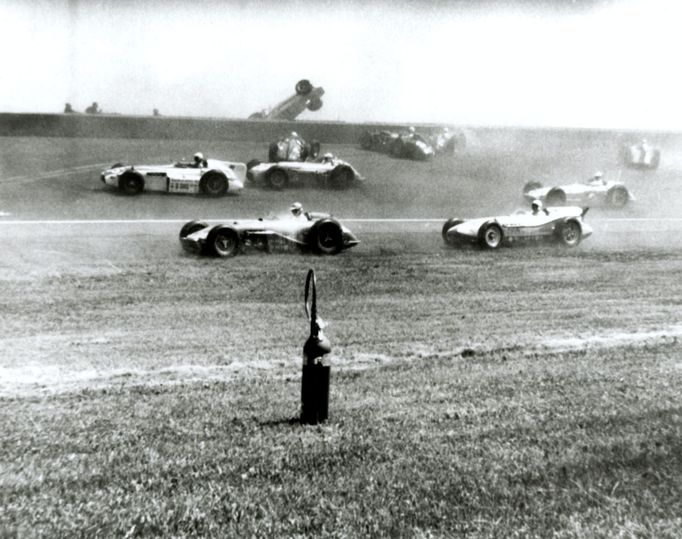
528 392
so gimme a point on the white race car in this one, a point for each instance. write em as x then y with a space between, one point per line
210 177
327 171
595 191
641 155
560 224
319 233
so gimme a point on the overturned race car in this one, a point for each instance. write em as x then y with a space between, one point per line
318 233
563 225
210 177
595 191
325 171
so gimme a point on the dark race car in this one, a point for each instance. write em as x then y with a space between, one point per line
293 148
408 146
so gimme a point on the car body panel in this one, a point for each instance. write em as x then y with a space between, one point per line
179 177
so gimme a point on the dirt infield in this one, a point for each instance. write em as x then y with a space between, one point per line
96 293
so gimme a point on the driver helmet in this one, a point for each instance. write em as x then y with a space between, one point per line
294 134
411 130
296 208
597 176
536 206
198 157
328 157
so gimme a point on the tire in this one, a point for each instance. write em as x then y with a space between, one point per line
341 177
249 166
569 233
276 179
326 237
397 148
213 184
530 186
617 197
555 197
273 152
303 87
223 241
131 183
314 149
191 227
366 141
655 160
315 104
490 236
444 232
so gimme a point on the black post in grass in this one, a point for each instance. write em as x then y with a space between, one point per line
315 381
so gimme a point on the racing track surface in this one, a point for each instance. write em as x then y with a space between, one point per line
96 290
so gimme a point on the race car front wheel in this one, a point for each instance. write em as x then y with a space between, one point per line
213 184
569 233
490 236
191 227
131 183
223 241
617 197
277 179
341 177
326 237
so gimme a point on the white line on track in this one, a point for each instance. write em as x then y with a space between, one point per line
222 220
53 173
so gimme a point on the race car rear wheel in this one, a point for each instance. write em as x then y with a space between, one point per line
617 197
530 186
555 197
341 177
314 149
273 152
449 240
326 237
192 227
366 140
397 148
223 241
277 179
249 166
569 233
213 184
131 183
490 236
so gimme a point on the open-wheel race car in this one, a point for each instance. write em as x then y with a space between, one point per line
209 177
408 146
595 191
325 171
318 233
563 225
641 155
293 148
